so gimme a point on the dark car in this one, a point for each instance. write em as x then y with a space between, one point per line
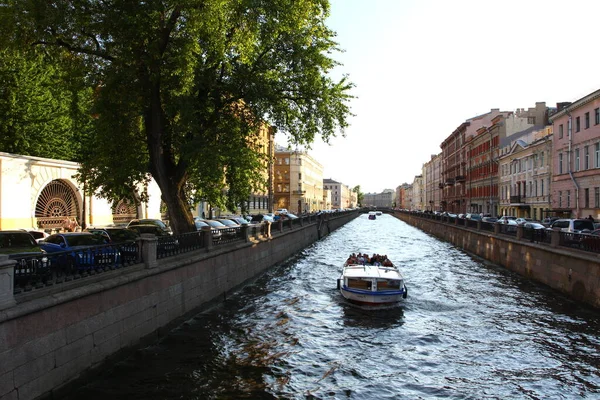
125 238
228 231
80 251
32 262
240 220
216 232
150 221
228 222
166 242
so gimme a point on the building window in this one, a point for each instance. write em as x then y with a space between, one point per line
597 197
560 163
586 200
536 189
586 157
577 124
586 120
542 187
542 160
569 127
597 116
597 156
576 160
559 199
560 131
568 198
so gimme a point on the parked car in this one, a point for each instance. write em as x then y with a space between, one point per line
282 211
31 258
37 235
505 218
287 216
573 225
240 220
522 220
115 234
149 221
78 251
225 230
533 225
124 237
489 219
216 232
166 242
474 217
259 218
549 220
228 222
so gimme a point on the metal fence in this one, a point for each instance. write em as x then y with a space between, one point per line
580 241
39 271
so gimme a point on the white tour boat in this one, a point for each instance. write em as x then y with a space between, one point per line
372 215
369 284
378 213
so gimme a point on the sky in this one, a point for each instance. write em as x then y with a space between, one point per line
423 67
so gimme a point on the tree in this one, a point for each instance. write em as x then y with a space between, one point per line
359 195
182 88
40 107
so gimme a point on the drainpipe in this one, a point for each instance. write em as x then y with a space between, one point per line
570 128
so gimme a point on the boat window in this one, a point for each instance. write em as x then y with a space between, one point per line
388 284
359 284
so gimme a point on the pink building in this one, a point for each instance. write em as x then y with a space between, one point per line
576 158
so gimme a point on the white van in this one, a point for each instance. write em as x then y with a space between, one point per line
282 211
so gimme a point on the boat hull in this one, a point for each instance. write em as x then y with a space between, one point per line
372 298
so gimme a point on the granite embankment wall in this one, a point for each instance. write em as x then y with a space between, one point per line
572 272
50 339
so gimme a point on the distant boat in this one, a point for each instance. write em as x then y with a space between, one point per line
372 215
378 213
368 284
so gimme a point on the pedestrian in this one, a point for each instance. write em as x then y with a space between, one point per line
590 218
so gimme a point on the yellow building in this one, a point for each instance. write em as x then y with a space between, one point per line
298 181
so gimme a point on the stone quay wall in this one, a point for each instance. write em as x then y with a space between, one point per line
50 339
573 272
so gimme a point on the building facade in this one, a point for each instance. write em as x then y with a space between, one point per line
384 199
40 193
432 175
525 174
298 182
576 158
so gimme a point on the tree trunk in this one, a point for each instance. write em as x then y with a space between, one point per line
169 177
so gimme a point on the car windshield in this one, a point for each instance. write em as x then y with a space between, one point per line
215 224
228 222
16 239
153 222
200 224
83 240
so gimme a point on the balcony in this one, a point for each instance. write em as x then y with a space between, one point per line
441 185
461 178
450 181
517 199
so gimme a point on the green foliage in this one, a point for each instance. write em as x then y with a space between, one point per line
360 196
41 113
182 88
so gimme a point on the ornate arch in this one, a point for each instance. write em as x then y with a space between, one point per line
57 201
124 211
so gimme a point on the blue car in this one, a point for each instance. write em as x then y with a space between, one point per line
80 251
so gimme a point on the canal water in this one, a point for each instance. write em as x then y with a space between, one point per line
467 330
